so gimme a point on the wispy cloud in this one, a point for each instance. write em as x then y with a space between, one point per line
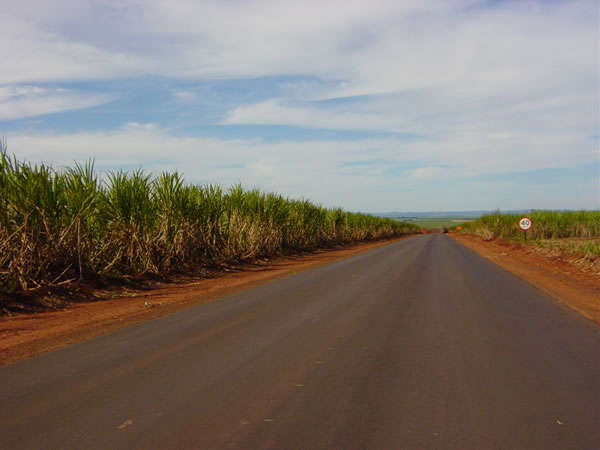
35 51
185 96
275 112
373 47
21 101
357 174
447 91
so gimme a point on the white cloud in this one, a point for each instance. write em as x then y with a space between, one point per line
465 49
140 128
275 112
482 87
185 96
374 46
33 53
17 102
375 174
517 132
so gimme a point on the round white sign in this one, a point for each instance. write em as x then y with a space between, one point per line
525 223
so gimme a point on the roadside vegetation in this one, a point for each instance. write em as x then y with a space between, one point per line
59 225
574 232
436 223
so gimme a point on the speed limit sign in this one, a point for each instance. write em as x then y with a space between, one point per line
525 223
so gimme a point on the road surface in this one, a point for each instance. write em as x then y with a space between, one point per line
418 344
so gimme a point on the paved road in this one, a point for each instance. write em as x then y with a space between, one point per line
419 344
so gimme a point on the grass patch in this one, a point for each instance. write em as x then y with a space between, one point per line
575 232
432 223
586 247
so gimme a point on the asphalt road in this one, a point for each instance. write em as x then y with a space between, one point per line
418 344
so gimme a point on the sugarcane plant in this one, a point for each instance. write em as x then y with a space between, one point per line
59 225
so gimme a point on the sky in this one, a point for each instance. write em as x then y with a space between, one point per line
373 106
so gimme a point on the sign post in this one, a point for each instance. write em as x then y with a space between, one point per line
525 224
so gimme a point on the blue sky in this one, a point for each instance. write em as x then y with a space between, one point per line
414 105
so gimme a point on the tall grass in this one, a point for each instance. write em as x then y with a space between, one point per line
60 225
546 225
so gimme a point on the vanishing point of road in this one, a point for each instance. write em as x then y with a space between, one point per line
417 344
